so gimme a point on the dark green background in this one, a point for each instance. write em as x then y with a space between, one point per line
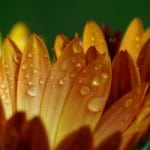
50 17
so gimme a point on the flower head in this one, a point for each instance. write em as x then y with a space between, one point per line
94 96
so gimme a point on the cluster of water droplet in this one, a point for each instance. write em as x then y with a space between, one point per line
4 91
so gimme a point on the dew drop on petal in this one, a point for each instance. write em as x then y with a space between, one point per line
32 91
61 82
137 38
16 59
3 96
24 66
84 90
128 102
104 75
93 38
97 67
3 84
95 105
77 48
31 83
73 73
30 55
96 81
27 76
35 71
41 82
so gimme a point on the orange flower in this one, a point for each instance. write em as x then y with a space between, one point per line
94 96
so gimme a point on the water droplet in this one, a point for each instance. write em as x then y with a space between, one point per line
128 102
95 104
31 83
27 76
73 73
32 91
93 38
29 55
3 84
51 77
137 38
97 67
35 71
99 80
61 82
105 75
3 96
16 59
96 81
78 64
77 48
84 90
41 82
24 66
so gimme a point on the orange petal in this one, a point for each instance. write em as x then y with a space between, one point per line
19 34
11 57
132 38
111 143
93 36
35 137
78 140
60 81
139 128
2 125
121 114
145 36
144 62
33 74
4 91
125 76
13 131
87 98
60 43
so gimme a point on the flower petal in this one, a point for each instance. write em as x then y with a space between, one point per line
144 62
13 131
125 76
5 97
11 57
78 140
93 36
19 34
132 38
60 82
2 126
87 98
145 36
33 74
35 137
111 143
60 43
121 114
139 128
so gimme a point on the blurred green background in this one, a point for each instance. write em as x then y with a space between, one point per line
50 17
